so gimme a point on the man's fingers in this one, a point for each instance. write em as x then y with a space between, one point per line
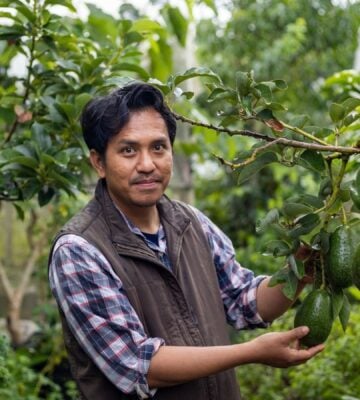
298 333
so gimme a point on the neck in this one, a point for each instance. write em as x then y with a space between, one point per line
148 221
145 218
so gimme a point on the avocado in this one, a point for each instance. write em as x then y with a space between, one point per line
356 268
316 313
340 258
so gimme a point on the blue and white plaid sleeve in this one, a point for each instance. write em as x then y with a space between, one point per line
238 285
100 316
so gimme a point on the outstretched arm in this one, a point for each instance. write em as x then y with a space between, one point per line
172 365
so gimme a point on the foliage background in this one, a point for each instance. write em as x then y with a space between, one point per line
46 177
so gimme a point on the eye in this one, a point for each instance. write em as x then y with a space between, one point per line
127 150
158 147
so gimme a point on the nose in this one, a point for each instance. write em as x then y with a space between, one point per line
145 162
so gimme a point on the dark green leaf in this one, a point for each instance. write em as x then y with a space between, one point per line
11 32
260 162
45 195
266 92
279 277
293 210
271 217
337 301
300 121
26 161
290 287
196 72
26 12
278 248
344 313
296 266
280 84
304 225
19 211
319 131
243 83
312 160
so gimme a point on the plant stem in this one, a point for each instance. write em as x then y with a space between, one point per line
304 133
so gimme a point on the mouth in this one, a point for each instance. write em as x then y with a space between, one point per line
147 184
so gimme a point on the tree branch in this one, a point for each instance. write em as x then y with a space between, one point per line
280 141
9 290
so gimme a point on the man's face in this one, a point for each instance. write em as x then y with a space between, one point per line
138 162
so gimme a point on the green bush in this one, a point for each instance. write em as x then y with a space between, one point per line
21 378
332 375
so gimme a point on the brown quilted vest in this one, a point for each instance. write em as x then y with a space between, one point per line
182 306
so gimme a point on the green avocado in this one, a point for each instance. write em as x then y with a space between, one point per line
340 258
356 268
316 313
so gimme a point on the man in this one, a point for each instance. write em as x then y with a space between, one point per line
146 285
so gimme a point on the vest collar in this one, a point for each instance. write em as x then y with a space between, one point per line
170 216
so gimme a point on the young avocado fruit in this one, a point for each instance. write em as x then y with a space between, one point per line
340 258
356 268
316 313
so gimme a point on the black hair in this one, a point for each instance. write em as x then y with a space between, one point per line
104 117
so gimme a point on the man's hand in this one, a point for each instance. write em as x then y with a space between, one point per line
282 349
173 365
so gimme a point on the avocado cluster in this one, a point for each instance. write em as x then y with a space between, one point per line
342 269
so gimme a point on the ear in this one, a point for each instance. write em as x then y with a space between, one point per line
98 163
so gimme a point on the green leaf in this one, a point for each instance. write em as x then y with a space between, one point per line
344 313
319 131
179 24
45 195
81 100
280 84
299 121
260 162
11 32
65 3
243 83
196 72
312 160
145 26
290 287
350 104
271 217
19 211
293 210
26 161
304 225
306 199
26 12
279 277
337 301
266 92
337 112
134 68
277 248
296 266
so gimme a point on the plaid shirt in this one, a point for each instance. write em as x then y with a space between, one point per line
103 321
